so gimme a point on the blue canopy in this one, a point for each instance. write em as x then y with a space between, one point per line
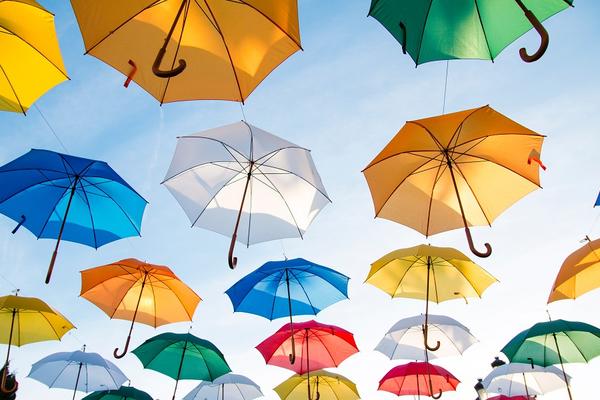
312 288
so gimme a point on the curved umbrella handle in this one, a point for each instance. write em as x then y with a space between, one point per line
435 396
292 356
166 73
3 387
427 346
231 259
404 37
115 352
488 247
542 32
531 362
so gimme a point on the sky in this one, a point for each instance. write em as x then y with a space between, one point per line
344 97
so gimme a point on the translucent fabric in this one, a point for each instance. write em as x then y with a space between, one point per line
517 379
227 387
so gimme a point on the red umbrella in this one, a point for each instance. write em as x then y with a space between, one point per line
418 378
503 397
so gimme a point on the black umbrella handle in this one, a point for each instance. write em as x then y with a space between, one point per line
488 247
161 53
537 25
231 259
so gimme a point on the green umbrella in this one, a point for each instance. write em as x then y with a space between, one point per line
555 342
432 30
123 393
182 356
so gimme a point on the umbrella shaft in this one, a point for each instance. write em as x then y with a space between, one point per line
287 282
77 380
562 366
180 367
525 383
12 325
137 306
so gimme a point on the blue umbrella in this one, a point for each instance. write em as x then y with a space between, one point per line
57 196
285 288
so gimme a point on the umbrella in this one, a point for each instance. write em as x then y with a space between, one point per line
140 292
182 356
59 196
243 182
429 273
325 386
555 342
502 397
286 288
480 29
223 49
404 340
123 393
418 378
456 170
31 63
226 387
579 273
25 320
524 379
78 370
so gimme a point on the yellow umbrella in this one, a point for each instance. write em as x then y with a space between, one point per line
222 48
321 385
429 273
579 273
139 292
26 320
454 170
30 60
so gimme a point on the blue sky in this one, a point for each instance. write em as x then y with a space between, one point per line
344 97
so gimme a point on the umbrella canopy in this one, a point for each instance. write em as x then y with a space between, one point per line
79 371
503 397
182 356
454 170
404 340
226 387
322 385
243 182
418 378
223 49
579 273
139 292
123 393
58 196
31 63
318 346
480 29
524 379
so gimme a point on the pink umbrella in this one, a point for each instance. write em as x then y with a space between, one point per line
418 378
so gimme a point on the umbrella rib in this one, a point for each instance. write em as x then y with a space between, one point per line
466 151
52 212
133 283
215 163
227 146
410 152
435 181
13 89
49 323
271 21
423 32
34 185
474 195
285 171
405 272
303 290
574 345
59 374
187 9
274 295
535 135
435 286
327 348
213 198
87 200
460 126
274 152
483 29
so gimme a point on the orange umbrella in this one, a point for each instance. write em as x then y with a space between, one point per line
138 292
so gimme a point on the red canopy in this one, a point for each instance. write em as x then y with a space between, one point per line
414 379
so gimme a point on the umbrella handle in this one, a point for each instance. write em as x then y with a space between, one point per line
115 352
545 39
166 73
435 396
3 387
488 247
21 222
403 29
427 346
231 259
292 356
134 69
531 362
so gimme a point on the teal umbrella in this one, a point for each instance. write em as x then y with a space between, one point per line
182 356
555 342
123 393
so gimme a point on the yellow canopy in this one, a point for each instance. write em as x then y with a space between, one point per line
30 60
229 47
329 386
579 273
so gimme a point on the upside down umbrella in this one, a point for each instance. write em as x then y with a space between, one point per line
123 393
25 320
455 170
245 183
429 273
58 196
481 29
182 356
30 61
555 342
325 386
418 378
287 288
223 49
226 387
579 273
524 379
140 292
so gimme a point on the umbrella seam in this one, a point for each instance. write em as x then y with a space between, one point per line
13 89
273 22
185 15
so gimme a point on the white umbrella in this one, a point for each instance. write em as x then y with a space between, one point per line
405 340
226 387
245 183
516 379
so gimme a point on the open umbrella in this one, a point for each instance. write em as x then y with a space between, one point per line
26 320
503 397
404 340
140 292
418 378
243 182
524 379
226 387
429 273
579 273
182 356
59 196
287 288
439 30
223 49
455 170
325 386
123 393
30 61
555 342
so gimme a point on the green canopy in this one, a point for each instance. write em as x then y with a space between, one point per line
432 30
123 393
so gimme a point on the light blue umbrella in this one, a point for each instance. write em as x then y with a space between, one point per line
79 371
226 387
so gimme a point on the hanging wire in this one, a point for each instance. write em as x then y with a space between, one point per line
51 129
283 250
10 284
445 87
243 113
